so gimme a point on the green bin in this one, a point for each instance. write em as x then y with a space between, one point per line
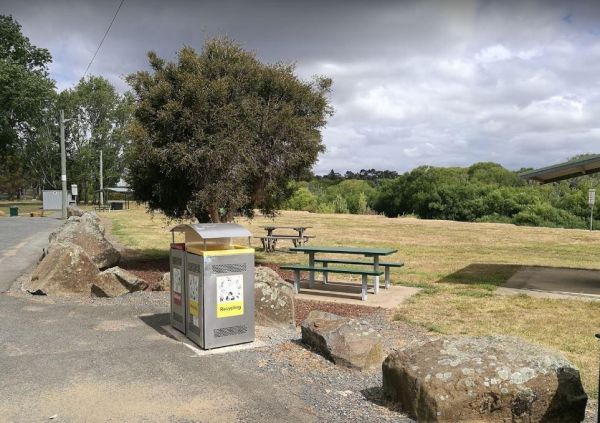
14 211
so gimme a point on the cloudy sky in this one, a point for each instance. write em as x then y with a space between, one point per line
440 83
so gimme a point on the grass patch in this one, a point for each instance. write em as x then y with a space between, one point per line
458 266
25 206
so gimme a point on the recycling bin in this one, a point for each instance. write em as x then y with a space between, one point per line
218 289
14 211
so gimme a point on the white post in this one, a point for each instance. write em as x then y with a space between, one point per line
63 164
101 182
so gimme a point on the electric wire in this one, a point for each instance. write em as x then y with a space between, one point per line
103 38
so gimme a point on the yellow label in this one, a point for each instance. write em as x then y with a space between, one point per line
194 308
230 308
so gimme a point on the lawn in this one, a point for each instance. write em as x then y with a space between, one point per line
458 264
25 206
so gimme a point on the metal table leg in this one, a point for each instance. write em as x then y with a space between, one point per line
296 281
311 274
363 293
376 279
387 277
325 274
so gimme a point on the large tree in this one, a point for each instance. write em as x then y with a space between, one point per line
26 95
219 132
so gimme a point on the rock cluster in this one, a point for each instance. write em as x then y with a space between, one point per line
347 342
273 299
494 378
73 261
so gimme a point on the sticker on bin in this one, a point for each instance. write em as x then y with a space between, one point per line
194 283
177 280
230 299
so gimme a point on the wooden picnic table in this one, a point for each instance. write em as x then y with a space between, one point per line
269 241
366 252
299 229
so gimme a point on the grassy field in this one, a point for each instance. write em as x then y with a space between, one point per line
458 264
25 206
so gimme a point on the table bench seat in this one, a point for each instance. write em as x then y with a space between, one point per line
297 268
386 266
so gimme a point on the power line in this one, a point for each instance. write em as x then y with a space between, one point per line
103 38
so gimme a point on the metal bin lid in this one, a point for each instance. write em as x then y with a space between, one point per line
212 231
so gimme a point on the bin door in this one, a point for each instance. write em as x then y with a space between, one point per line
195 314
177 258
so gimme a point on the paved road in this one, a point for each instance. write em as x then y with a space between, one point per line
21 243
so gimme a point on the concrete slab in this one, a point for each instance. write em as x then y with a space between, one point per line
349 293
554 282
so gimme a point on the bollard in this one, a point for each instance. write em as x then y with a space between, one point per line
598 407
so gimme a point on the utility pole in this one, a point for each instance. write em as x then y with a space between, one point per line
591 202
63 164
101 182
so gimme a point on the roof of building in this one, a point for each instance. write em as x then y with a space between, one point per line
561 171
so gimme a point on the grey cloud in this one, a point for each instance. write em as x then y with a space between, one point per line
440 83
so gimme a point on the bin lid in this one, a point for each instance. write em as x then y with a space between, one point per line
212 230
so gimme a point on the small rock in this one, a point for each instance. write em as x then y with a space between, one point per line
273 299
164 284
115 281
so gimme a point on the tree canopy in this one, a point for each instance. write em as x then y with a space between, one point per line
26 94
219 132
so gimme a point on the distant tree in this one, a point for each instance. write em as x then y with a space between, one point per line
219 132
99 117
26 93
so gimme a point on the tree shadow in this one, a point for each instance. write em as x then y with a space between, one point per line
482 274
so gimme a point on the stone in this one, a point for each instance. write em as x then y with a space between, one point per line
37 213
87 232
74 211
486 379
164 284
2 213
65 269
273 299
347 342
115 281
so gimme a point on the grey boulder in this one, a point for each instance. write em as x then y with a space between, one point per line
487 379
347 342
273 299
115 281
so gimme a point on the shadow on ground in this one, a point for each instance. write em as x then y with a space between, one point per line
483 273
158 322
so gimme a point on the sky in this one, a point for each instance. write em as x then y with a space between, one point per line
445 83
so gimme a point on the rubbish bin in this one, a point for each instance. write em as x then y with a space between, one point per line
218 293
14 211
177 261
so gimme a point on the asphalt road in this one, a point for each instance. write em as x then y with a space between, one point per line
21 243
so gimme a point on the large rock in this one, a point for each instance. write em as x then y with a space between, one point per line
115 281
164 284
273 299
491 379
347 342
87 232
66 269
74 211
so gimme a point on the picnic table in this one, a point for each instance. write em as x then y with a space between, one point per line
374 253
269 242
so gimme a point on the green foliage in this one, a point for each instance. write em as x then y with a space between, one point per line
219 132
99 116
26 94
484 192
340 205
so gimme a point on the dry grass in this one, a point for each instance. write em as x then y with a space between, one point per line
458 265
25 206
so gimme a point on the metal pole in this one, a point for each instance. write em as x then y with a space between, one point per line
101 182
598 408
592 218
63 164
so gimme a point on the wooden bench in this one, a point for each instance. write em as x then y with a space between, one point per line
325 262
269 242
297 268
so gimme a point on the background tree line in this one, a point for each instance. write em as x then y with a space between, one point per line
29 123
483 192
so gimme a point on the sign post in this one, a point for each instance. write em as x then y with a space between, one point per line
591 202
74 192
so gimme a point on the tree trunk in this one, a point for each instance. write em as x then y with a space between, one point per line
214 214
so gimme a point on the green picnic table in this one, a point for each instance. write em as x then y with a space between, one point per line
375 253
